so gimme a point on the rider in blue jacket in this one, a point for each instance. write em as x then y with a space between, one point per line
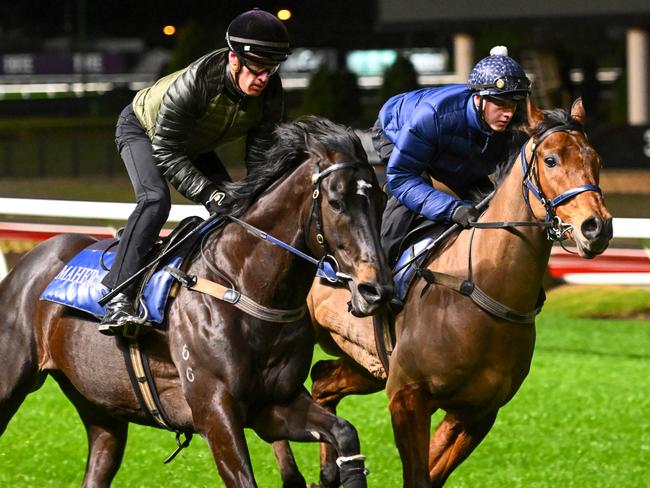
455 134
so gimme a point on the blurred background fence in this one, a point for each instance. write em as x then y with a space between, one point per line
50 147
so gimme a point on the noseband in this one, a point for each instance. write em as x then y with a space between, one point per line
556 229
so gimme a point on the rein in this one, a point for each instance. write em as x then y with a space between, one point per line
470 289
327 266
556 230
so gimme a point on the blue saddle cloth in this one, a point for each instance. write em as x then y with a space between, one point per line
78 284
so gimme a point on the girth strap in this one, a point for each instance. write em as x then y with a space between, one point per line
478 296
142 380
137 365
236 299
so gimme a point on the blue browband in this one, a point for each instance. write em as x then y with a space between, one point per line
534 186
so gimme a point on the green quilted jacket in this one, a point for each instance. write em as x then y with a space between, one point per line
196 110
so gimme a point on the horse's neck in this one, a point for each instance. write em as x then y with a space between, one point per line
261 270
511 263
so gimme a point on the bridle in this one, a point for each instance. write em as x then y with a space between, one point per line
316 180
555 230
555 227
327 266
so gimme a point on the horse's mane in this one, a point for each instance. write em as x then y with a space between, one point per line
290 146
552 118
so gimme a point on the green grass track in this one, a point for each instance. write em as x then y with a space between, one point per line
581 419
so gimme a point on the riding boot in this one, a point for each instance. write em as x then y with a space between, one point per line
119 312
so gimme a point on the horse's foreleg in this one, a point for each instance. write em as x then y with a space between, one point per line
452 442
305 421
289 471
332 381
218 418
411 409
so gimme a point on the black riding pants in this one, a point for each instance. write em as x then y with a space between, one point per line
153 201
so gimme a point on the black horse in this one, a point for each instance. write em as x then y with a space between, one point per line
217 369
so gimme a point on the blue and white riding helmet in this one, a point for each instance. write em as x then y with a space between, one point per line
499 76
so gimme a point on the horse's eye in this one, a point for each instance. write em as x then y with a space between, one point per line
337 206
550 161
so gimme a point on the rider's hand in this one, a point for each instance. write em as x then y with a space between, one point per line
217 203
465 215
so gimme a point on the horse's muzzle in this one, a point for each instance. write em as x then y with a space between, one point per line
596 232
373 295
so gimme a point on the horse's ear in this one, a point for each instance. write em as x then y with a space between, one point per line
578 111
535 115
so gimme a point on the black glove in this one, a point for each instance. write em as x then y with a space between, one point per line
217 203
465 215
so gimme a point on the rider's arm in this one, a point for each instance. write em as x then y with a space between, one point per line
417 145
183 103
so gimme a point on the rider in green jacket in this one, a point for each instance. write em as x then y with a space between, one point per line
170 131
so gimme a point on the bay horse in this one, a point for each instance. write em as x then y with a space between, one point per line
217 370
451 353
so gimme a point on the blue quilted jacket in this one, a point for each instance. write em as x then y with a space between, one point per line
436 131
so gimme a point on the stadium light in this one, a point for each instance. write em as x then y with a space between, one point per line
284 14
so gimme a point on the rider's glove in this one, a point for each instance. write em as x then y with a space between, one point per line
216 202
465 215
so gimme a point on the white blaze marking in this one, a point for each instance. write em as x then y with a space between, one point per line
362 186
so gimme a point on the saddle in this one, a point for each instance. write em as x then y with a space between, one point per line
415 241
78 285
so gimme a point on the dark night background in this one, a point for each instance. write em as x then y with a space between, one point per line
587 44
313 23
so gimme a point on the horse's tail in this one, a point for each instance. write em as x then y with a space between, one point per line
23 318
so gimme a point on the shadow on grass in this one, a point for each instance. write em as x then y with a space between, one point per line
592 352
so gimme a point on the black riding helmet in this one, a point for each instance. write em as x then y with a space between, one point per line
260 33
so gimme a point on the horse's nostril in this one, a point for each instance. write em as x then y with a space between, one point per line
375 293
592 227
370 293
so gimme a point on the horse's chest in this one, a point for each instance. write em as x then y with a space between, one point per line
471 370
281 361
282 373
